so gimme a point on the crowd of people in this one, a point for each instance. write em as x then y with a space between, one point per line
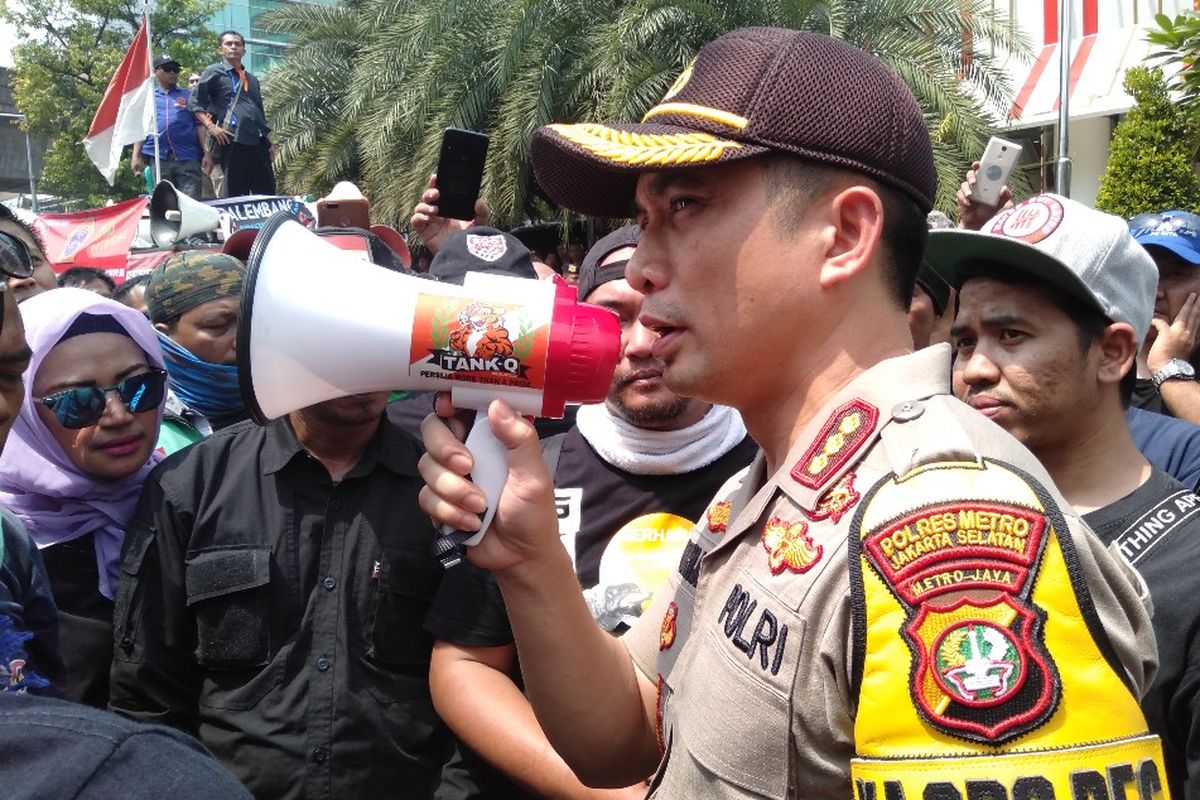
877 504
211 139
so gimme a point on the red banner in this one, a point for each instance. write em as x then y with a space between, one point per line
99 237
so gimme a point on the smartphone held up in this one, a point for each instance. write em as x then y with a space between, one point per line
995 168
460 172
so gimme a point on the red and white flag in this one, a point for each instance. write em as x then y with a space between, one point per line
126 114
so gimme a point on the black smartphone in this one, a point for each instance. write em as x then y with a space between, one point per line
460 172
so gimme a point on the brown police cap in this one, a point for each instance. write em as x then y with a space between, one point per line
752 91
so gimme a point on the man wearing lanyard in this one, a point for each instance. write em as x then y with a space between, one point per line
181 138
228 101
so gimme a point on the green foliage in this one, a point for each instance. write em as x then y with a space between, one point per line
369 85
1179 39
1150 158
69 50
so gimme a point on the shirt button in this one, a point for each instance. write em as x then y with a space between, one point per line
908 410
322 664
329 583
319 755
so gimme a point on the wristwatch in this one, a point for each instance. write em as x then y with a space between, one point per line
1176 369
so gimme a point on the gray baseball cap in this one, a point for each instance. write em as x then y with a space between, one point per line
1086 253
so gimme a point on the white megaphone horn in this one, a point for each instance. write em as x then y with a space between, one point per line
304 339
175 216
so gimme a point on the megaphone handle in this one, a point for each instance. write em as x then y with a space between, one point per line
489 474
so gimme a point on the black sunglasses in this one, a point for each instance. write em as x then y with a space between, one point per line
168 68
15 259
84 405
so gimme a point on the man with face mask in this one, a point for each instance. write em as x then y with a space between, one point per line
193 300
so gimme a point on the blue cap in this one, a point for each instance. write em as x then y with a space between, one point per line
1175 230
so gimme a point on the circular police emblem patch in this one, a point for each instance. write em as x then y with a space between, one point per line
978 663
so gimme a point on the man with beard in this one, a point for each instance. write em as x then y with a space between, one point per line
274 585
631 479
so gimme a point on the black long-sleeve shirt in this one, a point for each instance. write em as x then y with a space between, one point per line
278 616
216 91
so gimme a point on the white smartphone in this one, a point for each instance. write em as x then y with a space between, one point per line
994 170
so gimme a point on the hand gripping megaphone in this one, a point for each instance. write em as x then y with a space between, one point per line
304 339
175 216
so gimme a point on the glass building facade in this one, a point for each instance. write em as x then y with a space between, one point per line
263 48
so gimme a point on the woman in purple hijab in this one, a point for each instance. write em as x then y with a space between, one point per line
76 459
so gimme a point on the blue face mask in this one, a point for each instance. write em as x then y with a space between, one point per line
210 389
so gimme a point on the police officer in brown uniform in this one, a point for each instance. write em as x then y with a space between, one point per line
893 601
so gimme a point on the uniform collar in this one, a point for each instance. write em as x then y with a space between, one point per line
391 448
842 432
838 436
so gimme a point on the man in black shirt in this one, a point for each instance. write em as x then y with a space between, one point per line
632 477
1054 300
228 101
274 584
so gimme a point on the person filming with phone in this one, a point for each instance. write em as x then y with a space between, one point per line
228 101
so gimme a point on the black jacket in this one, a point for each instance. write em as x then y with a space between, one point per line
278 616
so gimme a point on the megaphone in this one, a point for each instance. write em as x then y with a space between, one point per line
303 339
175 216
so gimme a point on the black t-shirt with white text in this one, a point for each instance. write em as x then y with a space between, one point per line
625 533
1157 527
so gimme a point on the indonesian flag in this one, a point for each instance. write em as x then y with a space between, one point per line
126 114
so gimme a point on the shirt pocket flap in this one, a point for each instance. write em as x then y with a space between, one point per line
224 570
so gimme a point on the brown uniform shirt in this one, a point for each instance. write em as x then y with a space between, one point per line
751 641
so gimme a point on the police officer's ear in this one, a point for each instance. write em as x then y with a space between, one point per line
852 224
1118 347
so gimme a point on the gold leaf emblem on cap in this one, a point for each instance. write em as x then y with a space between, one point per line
680 81
644 149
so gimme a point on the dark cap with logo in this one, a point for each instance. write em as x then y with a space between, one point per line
591 274
163 61
748 93
481 250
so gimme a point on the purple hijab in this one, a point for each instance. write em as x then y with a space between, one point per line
55 499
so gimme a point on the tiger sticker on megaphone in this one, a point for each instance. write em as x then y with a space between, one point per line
304 339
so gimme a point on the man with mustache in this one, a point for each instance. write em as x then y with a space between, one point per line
893 600
631 479
1051 315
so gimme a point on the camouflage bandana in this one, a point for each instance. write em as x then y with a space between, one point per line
186 280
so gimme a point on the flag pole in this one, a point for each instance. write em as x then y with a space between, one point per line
153 102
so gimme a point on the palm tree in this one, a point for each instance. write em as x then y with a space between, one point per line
408 69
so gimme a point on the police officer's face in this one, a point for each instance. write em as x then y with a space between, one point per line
723 283
1018 360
